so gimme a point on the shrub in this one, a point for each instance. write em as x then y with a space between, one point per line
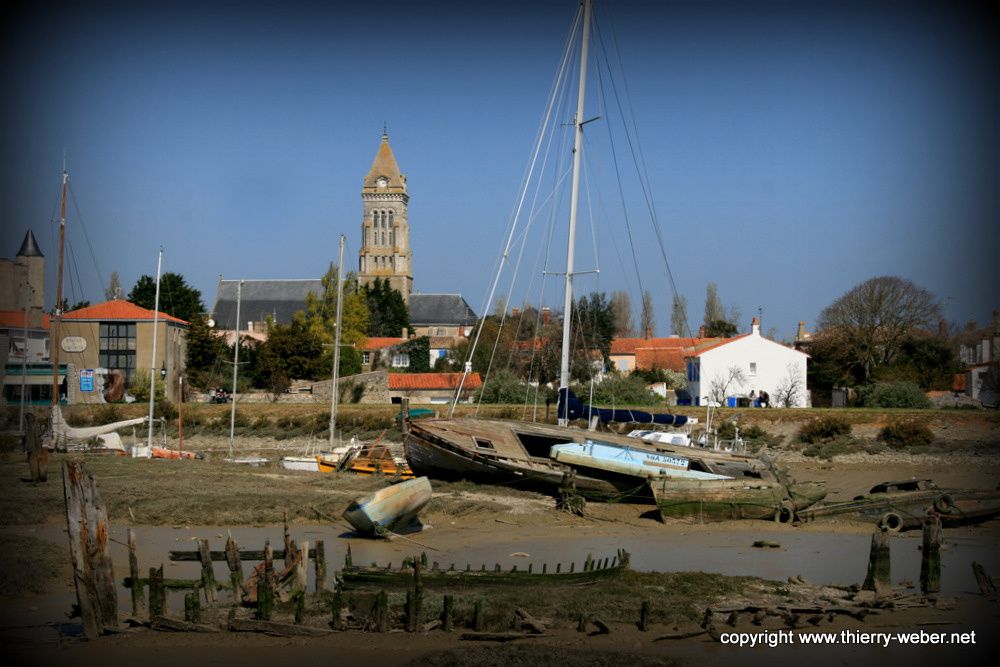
164 408
906 434
503 387
901 394
618 389
824 429
107 414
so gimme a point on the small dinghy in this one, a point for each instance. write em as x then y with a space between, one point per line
388 508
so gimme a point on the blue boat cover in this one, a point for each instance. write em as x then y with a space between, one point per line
577 409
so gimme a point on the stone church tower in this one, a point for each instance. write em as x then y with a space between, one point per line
385 231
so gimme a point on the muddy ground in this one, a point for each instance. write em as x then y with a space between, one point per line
170 503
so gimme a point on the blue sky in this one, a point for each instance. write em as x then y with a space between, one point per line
794 149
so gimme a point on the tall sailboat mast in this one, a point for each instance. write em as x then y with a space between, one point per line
336 343
152 356
574 201
54 342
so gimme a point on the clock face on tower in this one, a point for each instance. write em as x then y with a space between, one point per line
382 181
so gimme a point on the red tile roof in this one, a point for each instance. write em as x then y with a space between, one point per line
630 345
117 310
433 381
15 318
381 343
713 343
670 358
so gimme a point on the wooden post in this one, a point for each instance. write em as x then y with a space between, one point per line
644 615
879 570
301 569
235 569
138 596
192 607
38 456
336 607
381 612
289 550
410 616
404 421
207 573
930 556
446 613
558 568
157 592
300 606
320 566
348 561
478 619
417 601
90 552
265 588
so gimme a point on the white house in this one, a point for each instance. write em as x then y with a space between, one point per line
723 372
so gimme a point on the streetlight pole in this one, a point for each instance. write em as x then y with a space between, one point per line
152 357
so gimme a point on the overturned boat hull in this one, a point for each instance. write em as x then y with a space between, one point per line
388 508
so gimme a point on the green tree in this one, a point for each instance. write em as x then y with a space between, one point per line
177 298
720 329
387 314
321 310
206 352
291 349
595 317
503 387
66 308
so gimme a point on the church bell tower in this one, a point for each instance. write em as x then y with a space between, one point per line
385 230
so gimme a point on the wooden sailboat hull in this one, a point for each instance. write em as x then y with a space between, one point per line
390 507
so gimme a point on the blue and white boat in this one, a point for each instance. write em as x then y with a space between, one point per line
625 460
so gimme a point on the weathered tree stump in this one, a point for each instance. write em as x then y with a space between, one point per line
336 609
380 613
90 553
157 592
192 607
879 578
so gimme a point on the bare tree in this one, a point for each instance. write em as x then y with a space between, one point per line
874 318
713 305
731 378
621 306
790 388
647 319
678 316
114 290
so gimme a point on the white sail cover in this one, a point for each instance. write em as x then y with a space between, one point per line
61 431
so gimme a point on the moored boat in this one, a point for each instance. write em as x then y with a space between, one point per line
388 508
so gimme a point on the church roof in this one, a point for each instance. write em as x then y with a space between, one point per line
29 248
385 165
259 298
439 310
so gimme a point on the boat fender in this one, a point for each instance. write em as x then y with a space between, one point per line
944 503
891 521
785 512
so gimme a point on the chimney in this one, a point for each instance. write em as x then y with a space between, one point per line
942 329
701 331
546 315
755 326
405 333
801 333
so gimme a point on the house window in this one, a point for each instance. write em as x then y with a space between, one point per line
753 369
400 360
117 347
366 357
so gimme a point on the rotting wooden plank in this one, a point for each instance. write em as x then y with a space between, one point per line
167 624
38 456
235 568
274 628
879 567
98 531
181 556
930 556
495 636
320 565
